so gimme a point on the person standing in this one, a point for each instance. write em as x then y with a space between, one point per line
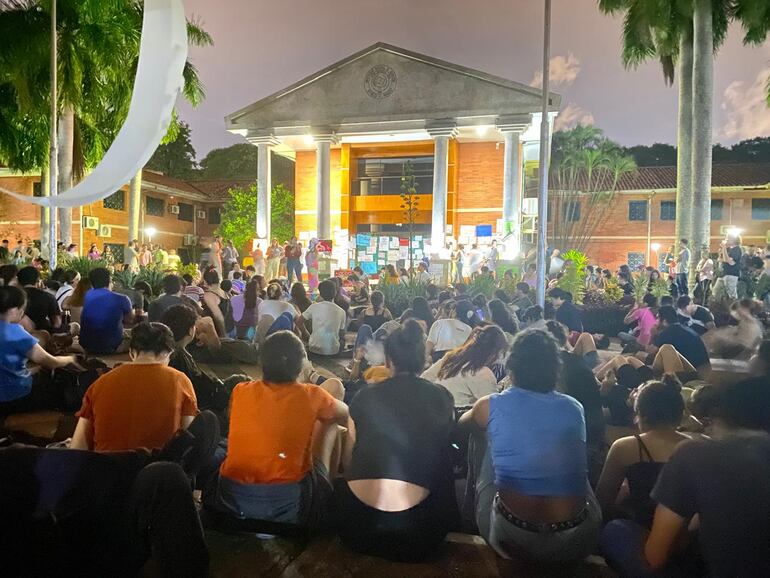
492 257
474 261
293 263
230 257
259 260
704 276
132 255
93 253
311 261
273 260
215 255
683 267
730 253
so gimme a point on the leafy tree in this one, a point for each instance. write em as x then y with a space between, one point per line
238 161
409 202
585 173
176 158
656 155
239 215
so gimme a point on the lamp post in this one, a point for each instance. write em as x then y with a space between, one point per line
150 232
53 159
655 248
542 199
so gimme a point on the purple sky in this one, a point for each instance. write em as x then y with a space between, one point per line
261 47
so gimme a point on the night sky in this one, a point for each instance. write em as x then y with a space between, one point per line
263 46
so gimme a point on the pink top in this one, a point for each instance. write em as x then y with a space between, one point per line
645 322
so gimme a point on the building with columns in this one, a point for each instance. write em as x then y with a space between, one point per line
354 127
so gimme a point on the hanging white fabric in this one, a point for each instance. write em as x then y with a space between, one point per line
159 81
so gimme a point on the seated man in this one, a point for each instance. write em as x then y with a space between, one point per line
210 391
283 445
104 315
172 295
566 312
722 480
696 317
42 309
522 299
327 321
139 404
683 339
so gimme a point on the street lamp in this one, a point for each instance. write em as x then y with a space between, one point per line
150 232
655 248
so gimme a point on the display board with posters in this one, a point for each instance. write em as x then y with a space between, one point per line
372 252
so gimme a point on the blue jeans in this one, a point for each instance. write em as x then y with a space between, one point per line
622 545
294 267
682 284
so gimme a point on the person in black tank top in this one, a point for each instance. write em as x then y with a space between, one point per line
641 478
377 314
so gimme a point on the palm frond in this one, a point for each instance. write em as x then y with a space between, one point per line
196 35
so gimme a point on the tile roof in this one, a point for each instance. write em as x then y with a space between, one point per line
723 175
170 182
218 190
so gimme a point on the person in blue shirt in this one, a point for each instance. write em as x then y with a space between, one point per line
20 391
532 495
104 315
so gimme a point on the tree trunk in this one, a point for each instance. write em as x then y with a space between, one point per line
703 102
684 198
66 138
45 212
134 206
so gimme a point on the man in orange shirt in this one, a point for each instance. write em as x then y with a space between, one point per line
283 446
140 404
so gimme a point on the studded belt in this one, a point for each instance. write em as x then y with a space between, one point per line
543 528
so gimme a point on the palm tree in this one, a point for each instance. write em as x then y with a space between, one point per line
98 47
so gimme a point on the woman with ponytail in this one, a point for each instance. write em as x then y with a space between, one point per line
396 500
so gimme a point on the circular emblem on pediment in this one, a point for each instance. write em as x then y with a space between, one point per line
380 81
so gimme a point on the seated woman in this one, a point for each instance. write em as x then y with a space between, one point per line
20 390
501 316
216 304
372 318
283 446
525 504
466 372
396 500
299 297
275 314
643 315
140 404
739 341
420 310
246 311
453 330
638 459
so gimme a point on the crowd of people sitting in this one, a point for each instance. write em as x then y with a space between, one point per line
515 399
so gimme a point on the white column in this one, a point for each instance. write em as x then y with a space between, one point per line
441 136
263 142
323 185
511 129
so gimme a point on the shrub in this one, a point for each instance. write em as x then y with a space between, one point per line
399 296
574 276
482 285
82 265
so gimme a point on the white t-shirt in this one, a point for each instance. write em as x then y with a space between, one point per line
423 277
328 320
466 388
446 334
276 308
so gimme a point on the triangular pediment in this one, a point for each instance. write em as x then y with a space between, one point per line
387 83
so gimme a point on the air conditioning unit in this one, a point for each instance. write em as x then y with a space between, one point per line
173 209
105 231
189 240
91 223
201 214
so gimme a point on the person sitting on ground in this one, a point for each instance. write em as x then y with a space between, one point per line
191 288
684 340
341 298
376 314
327 322
467 371
74 301
172 295
135 296
566 312
643 315
420 310
140 404
275 314
42 309
238 284
216 304
451 331
246 311
283 448
696 317
299 297
69 281
501 316
659 409
759 364
739 341
21 390
396 500
522 299
624 282
105 314
210 392
720 481
544 509
480 303
533 318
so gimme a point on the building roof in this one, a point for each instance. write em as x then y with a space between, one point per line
165 181
218 190
722 175
385 83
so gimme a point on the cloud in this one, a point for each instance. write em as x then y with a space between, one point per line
563 71
748 114
571 116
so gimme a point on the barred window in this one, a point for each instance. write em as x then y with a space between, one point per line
760 209
717 206
635 260
116 201
668 210
186 212
637 210
155 207
215 216
572 211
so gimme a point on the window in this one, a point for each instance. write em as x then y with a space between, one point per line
635 260
668 210
37 189
760 209
117 251
116 201
382 176
572 211
717 205
186 212
637 210
215 216
155 207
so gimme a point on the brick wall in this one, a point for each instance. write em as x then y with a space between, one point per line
305 191
479 184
